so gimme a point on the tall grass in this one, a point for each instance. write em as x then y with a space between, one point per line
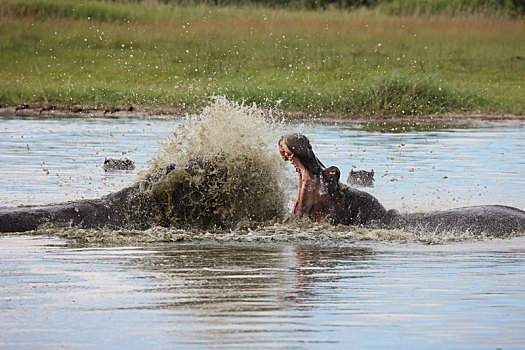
104 53
461 8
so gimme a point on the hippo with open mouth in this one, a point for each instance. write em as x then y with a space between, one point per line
322 197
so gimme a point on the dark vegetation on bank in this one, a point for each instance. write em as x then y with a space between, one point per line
391 7
105 12
391 57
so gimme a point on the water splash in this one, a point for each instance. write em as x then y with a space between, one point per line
268 233
220 168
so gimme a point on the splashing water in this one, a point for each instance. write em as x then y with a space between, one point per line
220 178
219 169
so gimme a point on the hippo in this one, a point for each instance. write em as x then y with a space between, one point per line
111 211
361 178
322 197
113 164
161 199
203 193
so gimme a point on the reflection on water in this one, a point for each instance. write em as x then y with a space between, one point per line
462 295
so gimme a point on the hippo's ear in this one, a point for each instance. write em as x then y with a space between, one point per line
372 172
332 173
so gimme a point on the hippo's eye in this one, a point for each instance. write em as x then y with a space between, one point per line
285 155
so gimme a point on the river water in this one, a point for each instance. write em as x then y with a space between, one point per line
284 286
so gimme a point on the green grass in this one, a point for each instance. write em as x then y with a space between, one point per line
461 8
105 53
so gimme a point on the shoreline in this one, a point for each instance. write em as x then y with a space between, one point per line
179 112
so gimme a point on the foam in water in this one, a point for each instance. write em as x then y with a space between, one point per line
220 168
290 231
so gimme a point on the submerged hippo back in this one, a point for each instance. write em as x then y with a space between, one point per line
492 220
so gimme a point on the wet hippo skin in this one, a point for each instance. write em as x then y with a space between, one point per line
112 211
322 197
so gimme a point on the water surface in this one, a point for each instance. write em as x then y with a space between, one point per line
460 295
282 287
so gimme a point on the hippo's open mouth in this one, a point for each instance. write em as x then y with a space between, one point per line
288 155
296 148
321 196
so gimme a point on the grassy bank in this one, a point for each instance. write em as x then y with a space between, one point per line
103 54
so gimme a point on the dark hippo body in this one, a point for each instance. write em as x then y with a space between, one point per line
203 194
112 164
341 204
493 220
361 178
322 197
127 208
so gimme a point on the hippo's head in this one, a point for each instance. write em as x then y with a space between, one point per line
319 196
